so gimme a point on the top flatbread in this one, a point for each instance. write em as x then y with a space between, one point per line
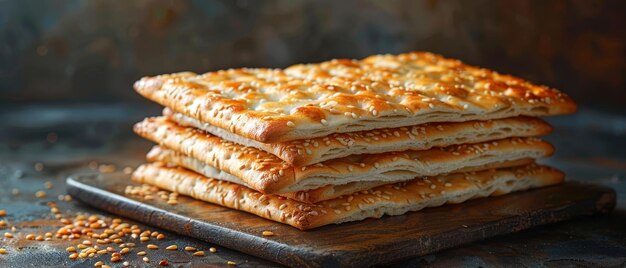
420 137
315 100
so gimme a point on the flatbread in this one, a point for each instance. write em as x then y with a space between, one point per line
338 96
267 173
392 199
172 158
420 137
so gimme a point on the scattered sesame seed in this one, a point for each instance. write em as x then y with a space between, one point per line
141 253
98 264
115 258
198 253
290 124
39 166
145 259
231 263
30 237
152 246
268 233
163 263
40 194
212 250
3 213
172 247
188 248
125 263
3 251
160 236
73 256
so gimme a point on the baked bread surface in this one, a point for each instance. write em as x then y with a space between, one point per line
391 199
383 91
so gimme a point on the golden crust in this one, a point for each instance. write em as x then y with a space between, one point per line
173 159
392 199
315 100
420 137
266 173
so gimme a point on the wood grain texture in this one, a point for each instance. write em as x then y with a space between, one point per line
358 244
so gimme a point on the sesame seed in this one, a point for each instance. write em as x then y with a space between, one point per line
324 122
125 263
198 253
30 237
212 250
160 237
232 263
73 256
40 194
268 233
3 251
190 248
172 247
141 253
152 246
144 238
98 264
290 124
145 259
3 213
164 263
8 235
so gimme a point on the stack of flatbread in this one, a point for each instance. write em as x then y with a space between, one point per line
346 140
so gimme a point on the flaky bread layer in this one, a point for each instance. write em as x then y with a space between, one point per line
391 199
327 192
267 173
419 137
338 96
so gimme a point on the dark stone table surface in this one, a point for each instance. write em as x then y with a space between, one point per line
47 142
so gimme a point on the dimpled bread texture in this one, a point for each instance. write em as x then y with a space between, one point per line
383 91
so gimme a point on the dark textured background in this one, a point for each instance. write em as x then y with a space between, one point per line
66 70
71 51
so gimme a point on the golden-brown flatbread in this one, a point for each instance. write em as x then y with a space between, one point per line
315 100
392 199
326 192
420 137
267 173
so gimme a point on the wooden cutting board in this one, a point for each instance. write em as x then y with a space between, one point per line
358 244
